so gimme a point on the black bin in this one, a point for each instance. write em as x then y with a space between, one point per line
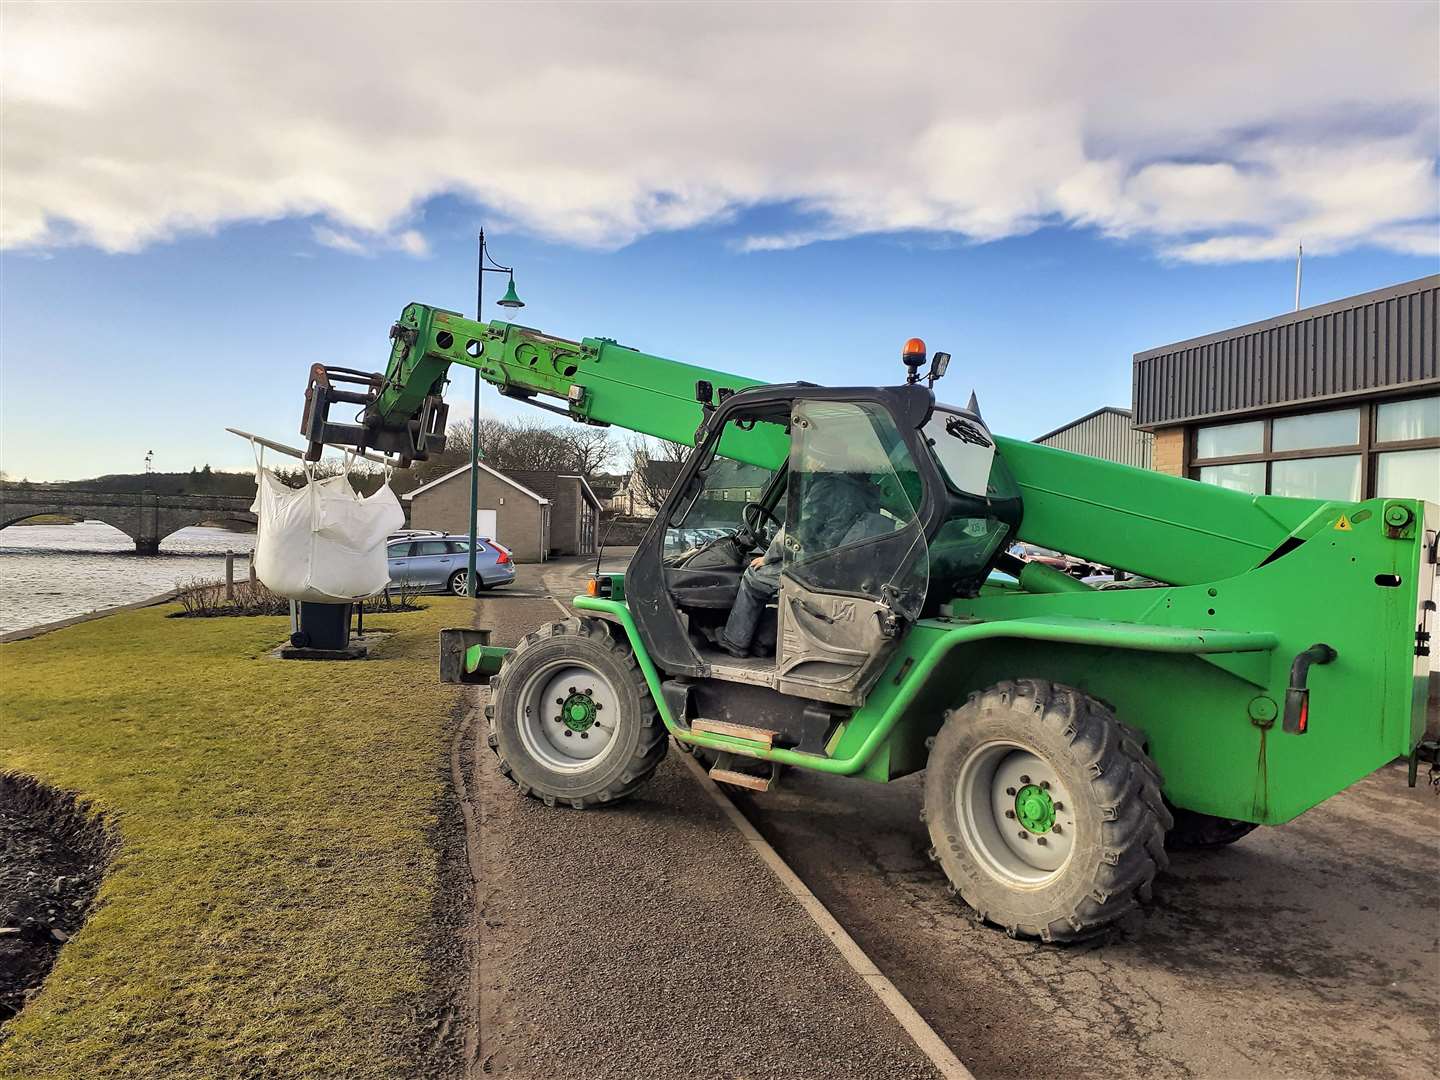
322 626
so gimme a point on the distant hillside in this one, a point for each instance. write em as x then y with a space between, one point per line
204 481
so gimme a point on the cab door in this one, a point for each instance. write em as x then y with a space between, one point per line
856 564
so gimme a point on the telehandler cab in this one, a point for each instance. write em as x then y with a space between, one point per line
1267 652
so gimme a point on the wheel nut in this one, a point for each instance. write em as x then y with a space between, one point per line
1010 813
568 733
1024 779
1040 840
1045 785
1024 835
559 701
570 690
1059 805
598 706
559 719
1056 828
1009 791
584 734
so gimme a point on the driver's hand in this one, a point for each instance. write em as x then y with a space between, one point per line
757 562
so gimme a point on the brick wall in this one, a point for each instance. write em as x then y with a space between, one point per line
1168 454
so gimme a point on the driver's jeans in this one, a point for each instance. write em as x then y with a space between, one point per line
758 587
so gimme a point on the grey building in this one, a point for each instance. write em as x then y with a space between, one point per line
535 514
1107 433
574 509
1340 401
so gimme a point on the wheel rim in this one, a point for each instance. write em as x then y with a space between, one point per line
1015 815
458 584
568 714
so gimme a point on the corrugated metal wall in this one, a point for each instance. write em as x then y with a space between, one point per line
1107 434
1369 342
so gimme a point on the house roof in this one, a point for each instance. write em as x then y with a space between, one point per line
662 474
463 469
548 483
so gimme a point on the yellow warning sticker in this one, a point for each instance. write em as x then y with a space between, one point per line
1343 525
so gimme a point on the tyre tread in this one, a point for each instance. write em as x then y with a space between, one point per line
648 753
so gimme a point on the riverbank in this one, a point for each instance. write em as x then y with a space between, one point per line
50 573
276 903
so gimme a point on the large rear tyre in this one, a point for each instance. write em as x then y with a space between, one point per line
1044 811
572 719
1194 831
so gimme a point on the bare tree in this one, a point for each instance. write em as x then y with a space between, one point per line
655 464
519 443
593 449
365 477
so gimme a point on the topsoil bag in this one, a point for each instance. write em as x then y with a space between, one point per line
322 542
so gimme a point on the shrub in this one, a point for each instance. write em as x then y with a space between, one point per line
206 599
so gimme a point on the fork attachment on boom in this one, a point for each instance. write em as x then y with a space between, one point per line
411 440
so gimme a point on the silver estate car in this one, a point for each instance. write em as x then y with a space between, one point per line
439 562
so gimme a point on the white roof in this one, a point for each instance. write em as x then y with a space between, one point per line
466 468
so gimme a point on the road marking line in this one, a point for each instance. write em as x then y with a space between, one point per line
924 1036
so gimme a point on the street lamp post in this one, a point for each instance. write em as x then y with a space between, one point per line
511 302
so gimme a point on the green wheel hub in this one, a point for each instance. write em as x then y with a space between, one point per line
1034 808
577 712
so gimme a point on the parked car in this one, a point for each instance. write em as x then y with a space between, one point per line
440 562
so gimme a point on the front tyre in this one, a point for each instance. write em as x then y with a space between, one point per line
572 719
1044 812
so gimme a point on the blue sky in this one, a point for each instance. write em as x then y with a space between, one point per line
119 354
1040 190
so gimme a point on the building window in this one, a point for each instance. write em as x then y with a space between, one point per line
1317 478
1248 476
1227 440
1385 449
1408 474
1313 431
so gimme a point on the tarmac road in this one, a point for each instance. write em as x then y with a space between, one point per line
1307 950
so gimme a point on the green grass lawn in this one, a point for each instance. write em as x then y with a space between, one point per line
269 911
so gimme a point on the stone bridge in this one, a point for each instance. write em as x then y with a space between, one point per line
147 518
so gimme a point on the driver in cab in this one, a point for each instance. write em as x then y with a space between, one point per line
832 504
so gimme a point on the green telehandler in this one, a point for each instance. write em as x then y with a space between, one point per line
1262 654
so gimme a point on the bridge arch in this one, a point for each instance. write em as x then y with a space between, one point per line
145 517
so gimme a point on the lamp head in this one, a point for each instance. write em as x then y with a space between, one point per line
510 300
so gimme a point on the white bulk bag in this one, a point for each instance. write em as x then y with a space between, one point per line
322 542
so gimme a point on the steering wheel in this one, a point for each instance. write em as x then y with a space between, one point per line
753 519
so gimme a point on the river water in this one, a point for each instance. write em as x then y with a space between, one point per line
50 572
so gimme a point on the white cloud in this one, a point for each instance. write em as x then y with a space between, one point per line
1211 132
410 241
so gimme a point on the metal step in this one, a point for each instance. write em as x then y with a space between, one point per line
740 779
736 731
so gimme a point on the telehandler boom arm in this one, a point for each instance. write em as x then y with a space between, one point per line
1157 526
